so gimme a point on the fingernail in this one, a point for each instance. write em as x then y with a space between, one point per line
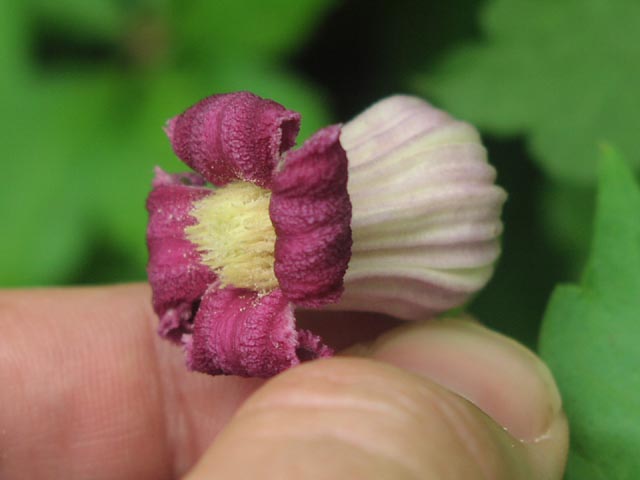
503 378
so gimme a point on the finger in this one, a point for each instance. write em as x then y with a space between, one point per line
359 418
497 374
88 390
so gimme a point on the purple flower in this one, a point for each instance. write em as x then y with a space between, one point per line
228 264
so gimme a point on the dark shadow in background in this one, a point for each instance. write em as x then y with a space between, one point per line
105 263
56 47
365 50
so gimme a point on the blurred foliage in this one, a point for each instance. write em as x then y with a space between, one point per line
590 337
559 71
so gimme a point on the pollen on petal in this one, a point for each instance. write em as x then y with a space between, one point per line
235 236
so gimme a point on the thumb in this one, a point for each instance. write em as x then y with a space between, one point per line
450 400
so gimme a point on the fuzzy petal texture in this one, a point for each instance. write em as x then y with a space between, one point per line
234 136
177 278
311 212
426 210
239 332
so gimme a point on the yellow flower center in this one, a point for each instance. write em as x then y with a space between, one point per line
235 236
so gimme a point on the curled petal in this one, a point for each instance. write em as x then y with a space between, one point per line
426 211
177 278
234 136
311 212
239 332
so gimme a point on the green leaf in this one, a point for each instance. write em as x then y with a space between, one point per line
566 73
591 333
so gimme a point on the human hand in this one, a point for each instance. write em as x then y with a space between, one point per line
88 391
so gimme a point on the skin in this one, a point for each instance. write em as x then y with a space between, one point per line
90 391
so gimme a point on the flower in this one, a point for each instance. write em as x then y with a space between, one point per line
229 265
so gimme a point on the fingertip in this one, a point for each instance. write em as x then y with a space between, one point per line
497 374
358 418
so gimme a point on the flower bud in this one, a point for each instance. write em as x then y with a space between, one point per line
426 212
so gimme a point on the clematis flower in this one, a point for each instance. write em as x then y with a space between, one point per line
230 263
